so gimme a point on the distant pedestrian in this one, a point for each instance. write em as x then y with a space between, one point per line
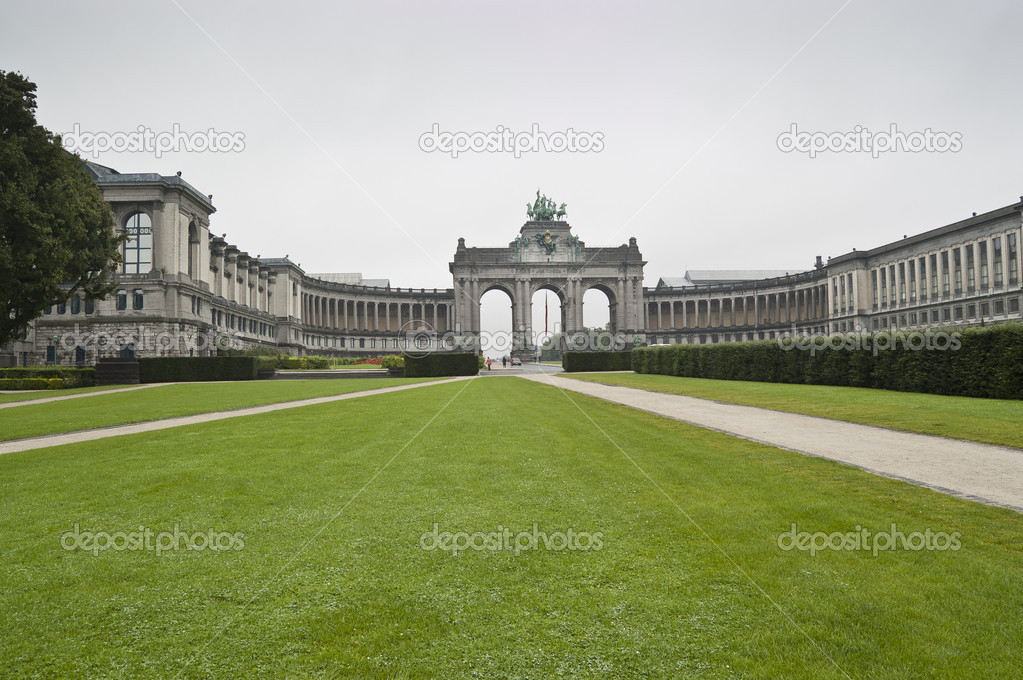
504 362
488 363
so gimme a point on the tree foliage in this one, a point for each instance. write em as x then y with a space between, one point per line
57 235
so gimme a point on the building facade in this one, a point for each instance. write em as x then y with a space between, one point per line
183 291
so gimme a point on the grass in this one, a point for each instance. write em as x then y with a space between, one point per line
989 421
168 401
29 395
333 501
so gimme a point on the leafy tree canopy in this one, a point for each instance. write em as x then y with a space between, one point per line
57 234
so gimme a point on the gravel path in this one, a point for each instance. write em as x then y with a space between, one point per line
979 472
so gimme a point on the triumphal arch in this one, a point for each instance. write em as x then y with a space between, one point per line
546 255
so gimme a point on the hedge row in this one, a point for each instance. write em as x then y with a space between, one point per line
971 362
31 383
440 364
189 369
597 361
70 377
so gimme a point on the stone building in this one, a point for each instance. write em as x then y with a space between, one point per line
183 291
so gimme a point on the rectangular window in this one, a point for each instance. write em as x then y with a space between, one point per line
902 282
873 324
982 250
944 273
891 288
996 244
136 300
946 314
76 305
958 311
1012 257
61 307
902 320
912 280
934 275
957 275
362 343
970 268
873 286
884 286
51 354
122 300
90 306
971 311
923 278
912 318
985 309
999 306
934 316
1013 305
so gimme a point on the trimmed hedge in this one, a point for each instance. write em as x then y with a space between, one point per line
69 376
442 364
970 362
31 383
191 369
597 361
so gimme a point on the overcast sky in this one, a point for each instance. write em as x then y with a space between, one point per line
688 99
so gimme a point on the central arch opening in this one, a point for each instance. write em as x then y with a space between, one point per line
496 323
548 319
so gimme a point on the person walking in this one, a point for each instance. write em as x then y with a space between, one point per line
488 363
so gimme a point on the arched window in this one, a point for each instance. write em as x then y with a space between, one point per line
138 250
193 251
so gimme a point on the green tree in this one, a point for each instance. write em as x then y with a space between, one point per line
57 234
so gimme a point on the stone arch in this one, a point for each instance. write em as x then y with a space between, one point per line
531 263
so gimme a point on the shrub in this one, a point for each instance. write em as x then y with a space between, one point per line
392 361
31 383
597 361
69 376
189 369
972 362
440 364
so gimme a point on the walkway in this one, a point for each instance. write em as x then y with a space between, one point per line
979 472
153 425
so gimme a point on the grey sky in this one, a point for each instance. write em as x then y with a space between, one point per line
690 99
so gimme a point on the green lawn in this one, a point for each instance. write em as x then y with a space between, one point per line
990 421
168 401
30 395
332 581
